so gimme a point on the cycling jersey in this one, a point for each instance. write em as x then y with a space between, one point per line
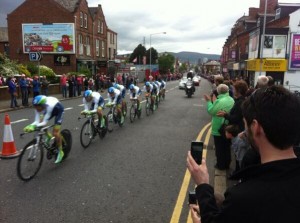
158 84
135 92
117 99
52 108
163 84
122 89
97 101
155 88
149 89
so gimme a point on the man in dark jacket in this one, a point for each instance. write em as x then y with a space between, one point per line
267 192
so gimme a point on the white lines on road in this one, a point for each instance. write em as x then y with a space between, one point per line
197 105
21 120
81 105
66 109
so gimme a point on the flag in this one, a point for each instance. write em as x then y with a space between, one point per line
134 60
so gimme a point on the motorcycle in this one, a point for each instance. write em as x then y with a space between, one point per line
189 88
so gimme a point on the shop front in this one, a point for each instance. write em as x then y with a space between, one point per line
267 67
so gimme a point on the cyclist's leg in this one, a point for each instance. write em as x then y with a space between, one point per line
101 121
58 111
119 108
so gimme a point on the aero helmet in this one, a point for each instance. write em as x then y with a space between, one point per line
147 83
111 90
116 85
87 93
39 100
131 86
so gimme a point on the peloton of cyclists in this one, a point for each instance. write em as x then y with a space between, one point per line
149 92
94 103
115 98
45 109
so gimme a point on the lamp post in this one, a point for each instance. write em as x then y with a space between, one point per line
150 47
263 39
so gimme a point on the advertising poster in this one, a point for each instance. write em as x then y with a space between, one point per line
49 38
295 52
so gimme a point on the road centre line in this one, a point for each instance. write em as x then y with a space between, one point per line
184 187
21 120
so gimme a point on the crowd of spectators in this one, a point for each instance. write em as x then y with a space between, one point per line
262 130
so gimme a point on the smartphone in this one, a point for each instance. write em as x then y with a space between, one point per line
192 197
196 151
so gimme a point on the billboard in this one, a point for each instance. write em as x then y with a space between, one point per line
49 38
295 52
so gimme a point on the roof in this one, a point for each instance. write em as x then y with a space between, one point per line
93 10
3 34
70 5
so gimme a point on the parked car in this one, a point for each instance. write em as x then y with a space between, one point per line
196 80
182 82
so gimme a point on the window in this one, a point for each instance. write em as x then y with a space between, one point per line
277 15
80 44
97 47
247 47
88 48
101 28
99 25
85 21
102 49
81 19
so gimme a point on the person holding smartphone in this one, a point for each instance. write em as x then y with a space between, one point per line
269 191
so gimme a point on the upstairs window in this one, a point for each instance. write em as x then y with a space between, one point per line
81 19
85 21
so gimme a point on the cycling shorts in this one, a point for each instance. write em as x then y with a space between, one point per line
57 112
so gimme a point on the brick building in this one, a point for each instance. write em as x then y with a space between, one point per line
84 46
4 45
243 54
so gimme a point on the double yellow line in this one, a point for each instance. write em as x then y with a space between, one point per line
187 177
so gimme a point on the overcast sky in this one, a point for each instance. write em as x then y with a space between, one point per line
190 25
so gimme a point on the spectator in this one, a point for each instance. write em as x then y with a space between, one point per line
63 85
97 82
235 116
239 145
12 89
23 83
91 84
262 82
36 86
74 82
79 84
214 105
45 86
86 84
268 192
217 81
71 86
271 81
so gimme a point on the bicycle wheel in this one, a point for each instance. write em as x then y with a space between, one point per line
86 134
117 119
132 114
125 109
103 131
110 121
66 142
30 161
147 108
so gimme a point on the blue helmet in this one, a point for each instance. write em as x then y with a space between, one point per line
116 85
147 83
87 93
111 90
131 86
39 100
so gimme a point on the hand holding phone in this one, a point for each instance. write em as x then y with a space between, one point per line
192 197
196 151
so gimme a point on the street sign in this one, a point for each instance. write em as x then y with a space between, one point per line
35 56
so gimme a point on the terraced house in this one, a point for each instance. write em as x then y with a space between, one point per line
68 33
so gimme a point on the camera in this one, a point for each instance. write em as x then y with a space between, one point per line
192 197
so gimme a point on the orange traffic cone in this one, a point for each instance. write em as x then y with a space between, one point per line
8 147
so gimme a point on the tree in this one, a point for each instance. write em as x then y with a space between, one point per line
166 62
183 68
154 56
138 54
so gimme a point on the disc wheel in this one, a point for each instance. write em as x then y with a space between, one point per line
30 161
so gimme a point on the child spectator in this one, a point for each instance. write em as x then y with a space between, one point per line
238 145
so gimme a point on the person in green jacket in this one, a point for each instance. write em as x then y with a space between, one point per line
222 103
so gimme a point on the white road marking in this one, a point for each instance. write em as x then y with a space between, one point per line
21 120
81 105
66 109
197 105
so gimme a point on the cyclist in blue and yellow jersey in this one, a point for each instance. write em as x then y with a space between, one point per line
149 92
121 88
135 92
115 98
94 103
45 109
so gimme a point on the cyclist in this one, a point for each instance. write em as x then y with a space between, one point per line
159 88
149 91
45 109
115 98
155 93
163 86
135 92
94 103
121 88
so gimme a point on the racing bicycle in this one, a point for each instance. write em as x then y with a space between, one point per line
134 111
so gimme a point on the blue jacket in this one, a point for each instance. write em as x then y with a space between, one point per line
36 85
23 83
12 87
